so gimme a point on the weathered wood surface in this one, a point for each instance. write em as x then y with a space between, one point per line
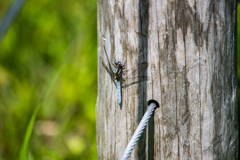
190 46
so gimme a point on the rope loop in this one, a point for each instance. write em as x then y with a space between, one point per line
151 108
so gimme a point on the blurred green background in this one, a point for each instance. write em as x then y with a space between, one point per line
44 36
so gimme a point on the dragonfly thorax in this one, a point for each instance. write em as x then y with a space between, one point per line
115 71
118 70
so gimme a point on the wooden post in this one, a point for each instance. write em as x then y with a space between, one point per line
190 46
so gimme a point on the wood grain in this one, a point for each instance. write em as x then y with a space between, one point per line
190 46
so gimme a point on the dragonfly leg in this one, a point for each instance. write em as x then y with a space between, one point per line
114 65
124 64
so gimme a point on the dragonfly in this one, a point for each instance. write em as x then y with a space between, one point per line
117 73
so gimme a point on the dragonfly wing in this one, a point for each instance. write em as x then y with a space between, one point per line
109 64
136 75
109 72
139 69
134 80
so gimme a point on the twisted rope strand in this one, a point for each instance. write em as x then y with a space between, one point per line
139 131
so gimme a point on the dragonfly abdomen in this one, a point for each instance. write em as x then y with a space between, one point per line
119 92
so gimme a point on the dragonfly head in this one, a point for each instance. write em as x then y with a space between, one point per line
118 63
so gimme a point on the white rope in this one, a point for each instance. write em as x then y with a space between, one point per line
153 105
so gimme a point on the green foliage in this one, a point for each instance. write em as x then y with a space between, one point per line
47 37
